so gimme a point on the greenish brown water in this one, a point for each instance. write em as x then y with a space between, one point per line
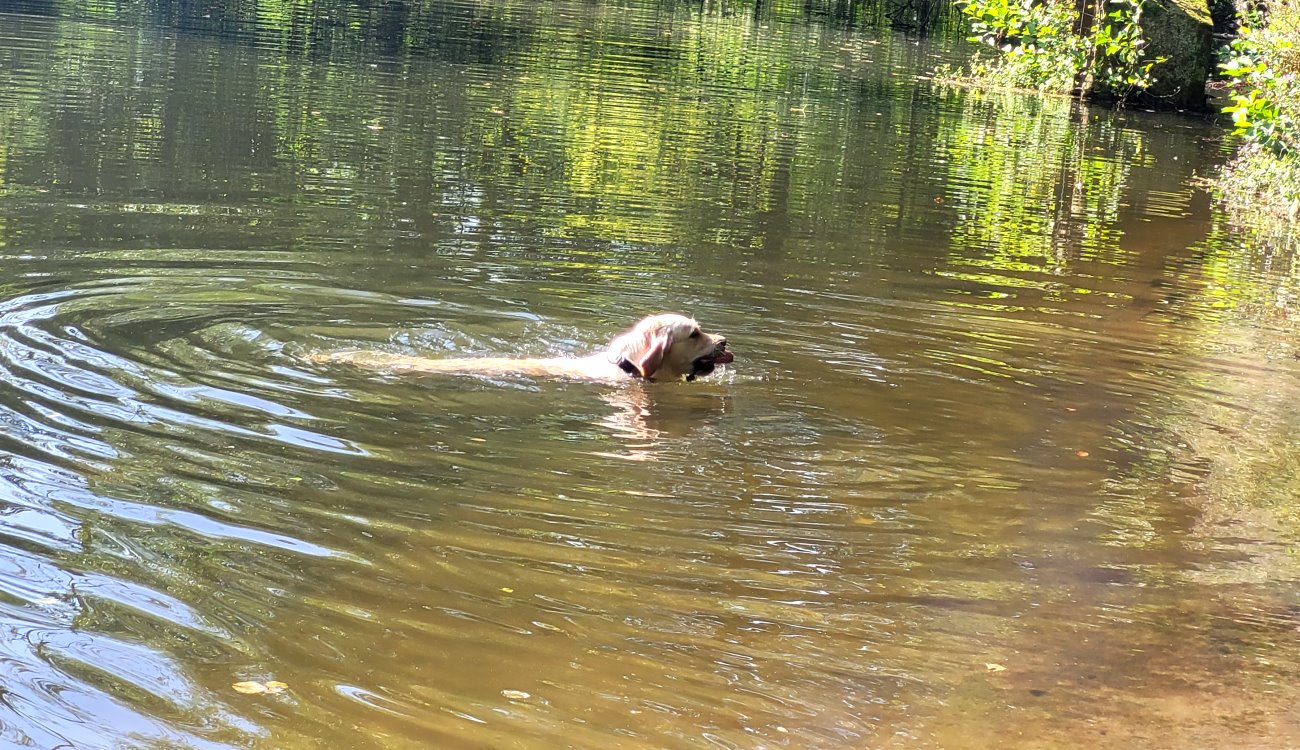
1006 457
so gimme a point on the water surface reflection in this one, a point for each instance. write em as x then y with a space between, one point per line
1005 444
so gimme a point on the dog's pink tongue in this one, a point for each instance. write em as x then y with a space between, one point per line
725 357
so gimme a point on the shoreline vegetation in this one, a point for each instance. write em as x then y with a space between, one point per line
1107 51
1262 182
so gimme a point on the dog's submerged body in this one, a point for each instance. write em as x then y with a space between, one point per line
660 347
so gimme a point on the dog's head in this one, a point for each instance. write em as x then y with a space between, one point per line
668 347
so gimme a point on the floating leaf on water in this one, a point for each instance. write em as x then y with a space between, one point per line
507 590
994 667
1081 454
516 695
253 687
864 520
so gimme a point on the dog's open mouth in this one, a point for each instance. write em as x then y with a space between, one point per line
704 365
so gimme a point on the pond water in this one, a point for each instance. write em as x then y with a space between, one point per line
1007 453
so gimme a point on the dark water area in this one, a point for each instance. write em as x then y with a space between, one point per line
1006 457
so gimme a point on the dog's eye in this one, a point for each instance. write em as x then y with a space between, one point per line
695 334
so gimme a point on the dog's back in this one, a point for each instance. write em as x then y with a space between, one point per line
594 367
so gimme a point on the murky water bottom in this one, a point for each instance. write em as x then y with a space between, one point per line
1005 455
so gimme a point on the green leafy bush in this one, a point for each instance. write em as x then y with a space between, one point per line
1264 66
1121 63
1041 49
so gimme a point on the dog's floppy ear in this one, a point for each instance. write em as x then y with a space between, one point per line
652 352
644 348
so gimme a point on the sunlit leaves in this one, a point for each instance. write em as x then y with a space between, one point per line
1041 48
1264 100
253 687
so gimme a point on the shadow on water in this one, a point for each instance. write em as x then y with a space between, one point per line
1004 455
